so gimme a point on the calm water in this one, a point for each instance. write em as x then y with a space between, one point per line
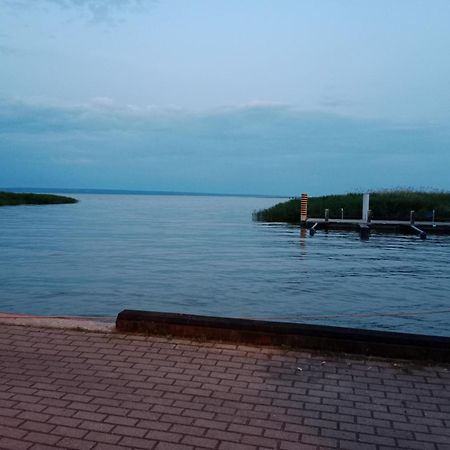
204 255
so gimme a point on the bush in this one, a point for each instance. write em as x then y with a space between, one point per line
385 205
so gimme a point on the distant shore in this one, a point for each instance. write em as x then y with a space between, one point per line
26 198
141 192
385 205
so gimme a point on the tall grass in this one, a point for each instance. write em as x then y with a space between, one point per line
385 205
11 199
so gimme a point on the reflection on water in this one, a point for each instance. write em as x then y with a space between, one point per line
302 240
204 255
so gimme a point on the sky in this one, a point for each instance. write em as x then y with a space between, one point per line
239 96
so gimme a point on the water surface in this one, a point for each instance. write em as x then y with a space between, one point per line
205 255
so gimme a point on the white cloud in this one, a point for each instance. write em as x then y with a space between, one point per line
105 11
103 103
263 104
264 146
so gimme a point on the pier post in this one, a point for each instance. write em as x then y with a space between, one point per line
303 209
412 217
342 213
327 214
364 232
365 207
312 230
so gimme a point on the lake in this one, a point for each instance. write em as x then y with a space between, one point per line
205 255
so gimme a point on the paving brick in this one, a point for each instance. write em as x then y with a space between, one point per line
261 441
100 446
137 443
269 424
37 426
182 420
234 446
34 416
199 442
64 421
438 439
87 415
14 444
42 438
76 444
100 391
172 446
58 411
215 424
281 435
357 428
35 407
356 445
69 432
295 446
10 422
319 441
415 445
11 432
84 406
221 435
118 420
246 429
42 447
129 431
320 423
153 425
106 438
198 414
376 439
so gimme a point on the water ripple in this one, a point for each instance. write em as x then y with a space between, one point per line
204 255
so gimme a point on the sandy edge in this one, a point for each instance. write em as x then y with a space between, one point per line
104 324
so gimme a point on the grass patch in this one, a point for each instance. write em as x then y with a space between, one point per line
13 199
385 205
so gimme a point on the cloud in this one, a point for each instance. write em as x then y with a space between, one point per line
7 50
336 102
97 11
100 10
100 114
263 122
258 148
262 104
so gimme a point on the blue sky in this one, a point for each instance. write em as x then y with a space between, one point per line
266 97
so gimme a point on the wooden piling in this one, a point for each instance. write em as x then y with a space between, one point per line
365 207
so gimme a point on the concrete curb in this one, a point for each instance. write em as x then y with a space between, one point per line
317 337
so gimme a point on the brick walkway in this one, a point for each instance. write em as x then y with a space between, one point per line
86 390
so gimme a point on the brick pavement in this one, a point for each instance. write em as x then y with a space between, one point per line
85 390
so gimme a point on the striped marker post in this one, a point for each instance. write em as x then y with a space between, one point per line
303 208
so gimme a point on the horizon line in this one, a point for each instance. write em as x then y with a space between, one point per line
133 192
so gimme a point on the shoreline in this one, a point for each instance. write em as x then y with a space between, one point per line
304 337
27 198
103 324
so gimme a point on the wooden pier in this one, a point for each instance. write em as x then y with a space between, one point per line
366 224
393 226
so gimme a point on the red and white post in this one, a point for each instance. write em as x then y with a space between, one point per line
303 209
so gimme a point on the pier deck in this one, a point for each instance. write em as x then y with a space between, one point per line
380 225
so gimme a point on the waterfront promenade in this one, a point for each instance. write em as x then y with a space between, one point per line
73 389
